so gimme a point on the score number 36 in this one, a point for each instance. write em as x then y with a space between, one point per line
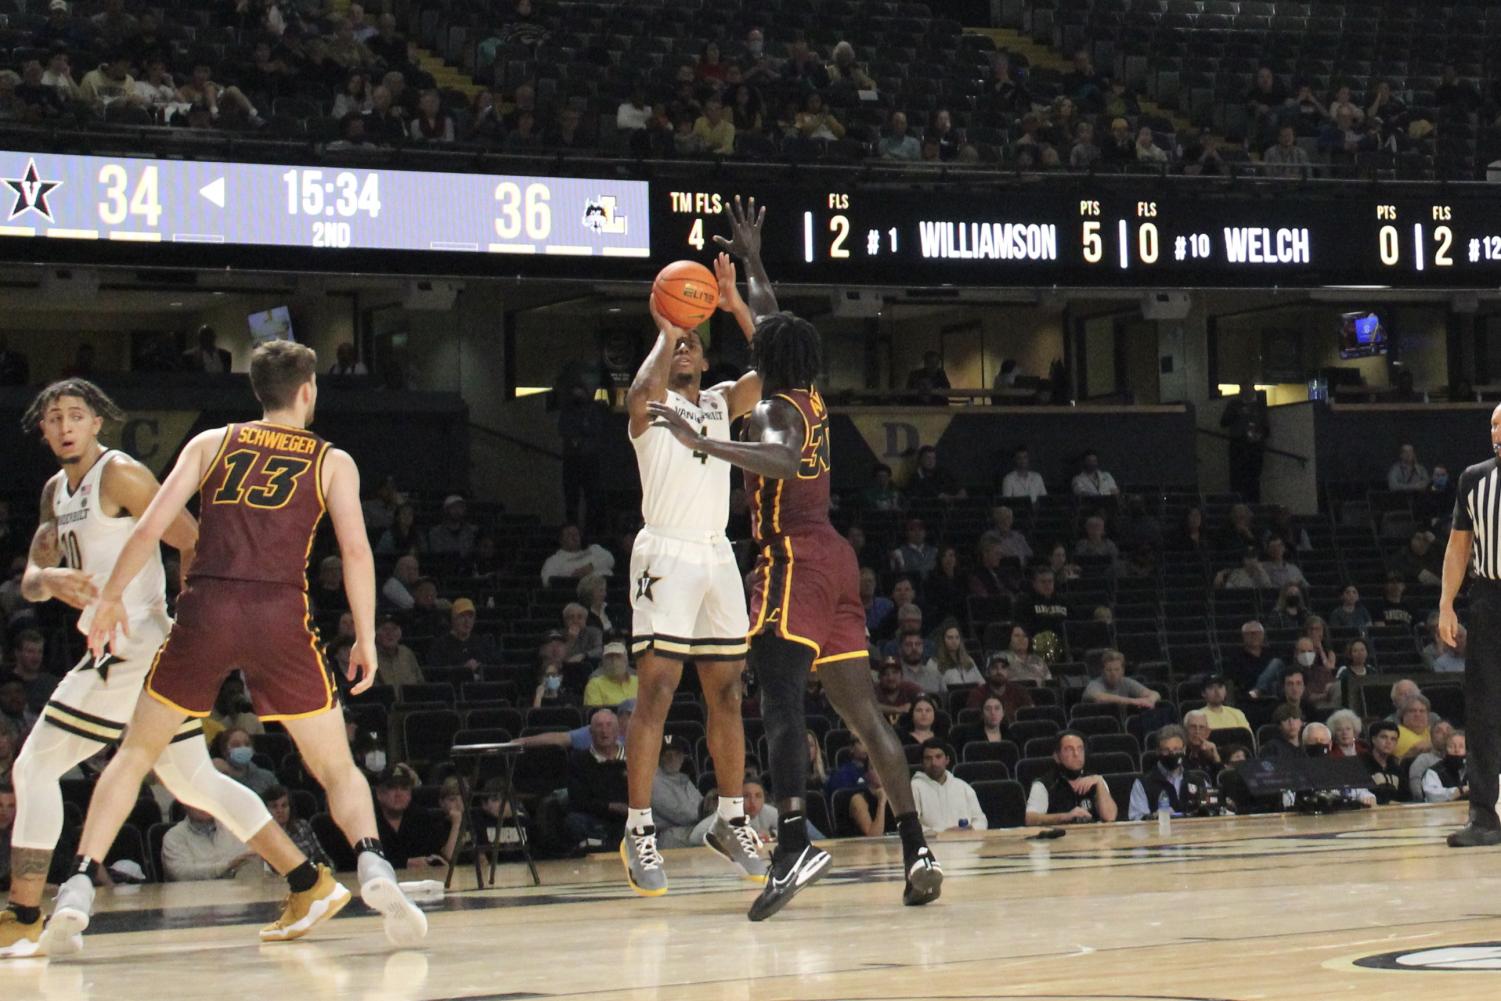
120 202
530 210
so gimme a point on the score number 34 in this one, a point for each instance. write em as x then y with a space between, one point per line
121 201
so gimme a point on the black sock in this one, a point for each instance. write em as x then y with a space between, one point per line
26 915
83 865
910 828
369 845
792 832
303 878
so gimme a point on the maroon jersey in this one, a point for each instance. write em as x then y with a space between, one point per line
261 502
799 505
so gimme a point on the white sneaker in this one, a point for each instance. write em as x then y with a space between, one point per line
405 924
63 935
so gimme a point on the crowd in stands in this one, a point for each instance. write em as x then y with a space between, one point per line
1083 655
895 82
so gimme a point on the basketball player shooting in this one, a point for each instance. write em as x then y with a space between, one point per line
687 599
89 509
806 612
265 486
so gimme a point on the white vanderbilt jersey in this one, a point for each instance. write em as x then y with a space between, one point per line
683 490
687 598
91 541
95 700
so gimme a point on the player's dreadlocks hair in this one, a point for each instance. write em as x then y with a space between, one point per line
787 351
85 390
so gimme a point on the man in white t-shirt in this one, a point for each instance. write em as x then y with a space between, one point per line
1093 481
1022 481
944 803
574 560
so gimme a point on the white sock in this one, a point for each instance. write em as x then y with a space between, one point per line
732 807
638 820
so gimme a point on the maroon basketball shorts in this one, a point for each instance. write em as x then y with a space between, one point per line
261 629
806 588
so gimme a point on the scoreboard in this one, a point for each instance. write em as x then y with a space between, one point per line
1057 231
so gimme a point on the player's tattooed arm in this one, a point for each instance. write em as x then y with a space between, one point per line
45 554
745 243
775 425
650 383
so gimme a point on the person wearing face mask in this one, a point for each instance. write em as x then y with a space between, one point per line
233 752
1274 680
1064 794
550 690
1164 784
1448 780
1290 610
1436 504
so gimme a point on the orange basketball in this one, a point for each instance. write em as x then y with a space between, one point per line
685 293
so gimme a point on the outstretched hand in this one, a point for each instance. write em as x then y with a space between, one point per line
724 274
745 228
664 416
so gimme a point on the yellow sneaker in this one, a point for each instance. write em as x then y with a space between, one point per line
18 941
305 910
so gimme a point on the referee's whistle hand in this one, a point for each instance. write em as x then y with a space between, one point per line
1448 625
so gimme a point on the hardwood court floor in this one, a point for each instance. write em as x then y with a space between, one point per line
1254 908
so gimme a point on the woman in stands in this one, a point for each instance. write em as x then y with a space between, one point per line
818 768
591 594
1063 569
1289 612
709 65
432 123
992 716
1344 728
550 690
946 588
233 754
1321 675
403 536
1021 663
953 661
921 723
1190 537
869 810
747 109
1347 680
1239 533
355 98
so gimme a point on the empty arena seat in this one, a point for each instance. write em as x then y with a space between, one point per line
1003 801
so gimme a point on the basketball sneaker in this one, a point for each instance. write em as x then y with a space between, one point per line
785 880
738 843
924 878
405 924
644 869
303 911
63 935
17 941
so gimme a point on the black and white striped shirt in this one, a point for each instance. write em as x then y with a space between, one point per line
1477 509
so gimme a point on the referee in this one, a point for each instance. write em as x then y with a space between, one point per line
1475 543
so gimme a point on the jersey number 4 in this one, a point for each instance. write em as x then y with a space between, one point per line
275 479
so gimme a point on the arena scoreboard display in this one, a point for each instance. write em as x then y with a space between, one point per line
209 203
1059 232
1065 231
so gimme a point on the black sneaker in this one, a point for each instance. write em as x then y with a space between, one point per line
1471 836
924 879
782 885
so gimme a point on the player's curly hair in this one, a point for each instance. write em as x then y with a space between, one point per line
97 400
787 351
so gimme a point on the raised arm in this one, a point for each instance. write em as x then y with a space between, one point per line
745 243
341 493
776 428
43 578
741 395
650 383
